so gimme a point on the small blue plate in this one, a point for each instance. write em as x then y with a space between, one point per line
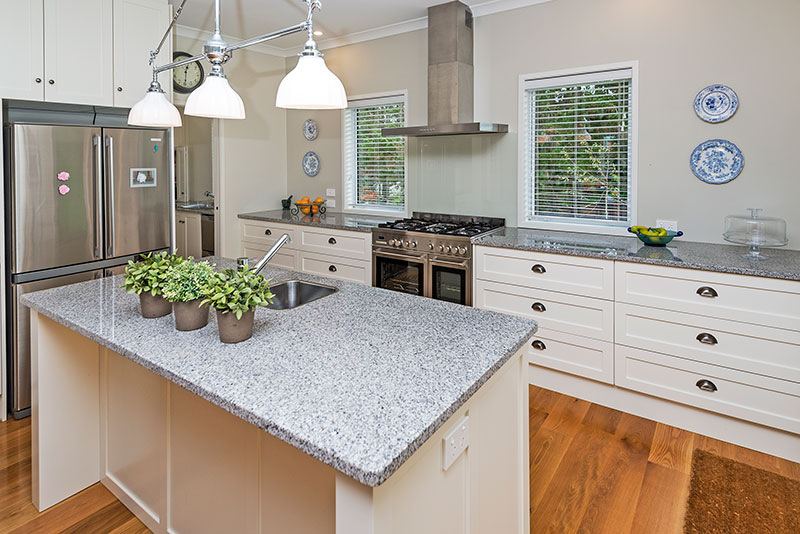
716 161
716 103
311 164
310 129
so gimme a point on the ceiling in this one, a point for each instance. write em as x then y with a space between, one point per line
341 21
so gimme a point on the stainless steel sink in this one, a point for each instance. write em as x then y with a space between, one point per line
294 293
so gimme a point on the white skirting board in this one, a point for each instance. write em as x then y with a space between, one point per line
745 434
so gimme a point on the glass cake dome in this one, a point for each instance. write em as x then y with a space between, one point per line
755 232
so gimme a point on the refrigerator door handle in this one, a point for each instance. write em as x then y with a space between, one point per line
111 215
98 177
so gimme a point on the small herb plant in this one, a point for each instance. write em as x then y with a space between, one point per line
237 291
187 280
149 274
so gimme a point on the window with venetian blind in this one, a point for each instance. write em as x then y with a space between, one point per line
578 153
374 166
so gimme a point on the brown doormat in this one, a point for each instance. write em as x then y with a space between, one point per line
729 497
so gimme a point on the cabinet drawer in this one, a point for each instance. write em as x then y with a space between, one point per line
266 233
748 299
553 272
356 245
756 349
576 355
285 258
571 314
756 398
334 267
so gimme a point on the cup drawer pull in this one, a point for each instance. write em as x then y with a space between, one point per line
708 292
706 338
706 385
538 307
538 268
538 345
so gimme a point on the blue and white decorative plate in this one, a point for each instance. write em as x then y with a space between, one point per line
310 129
716 103
311 164
716 161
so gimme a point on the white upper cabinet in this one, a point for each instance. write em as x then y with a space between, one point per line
138 28
93 52
78 52
21 34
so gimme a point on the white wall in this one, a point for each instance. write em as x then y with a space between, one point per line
681 46
252 152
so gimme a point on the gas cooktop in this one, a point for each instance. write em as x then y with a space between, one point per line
452 225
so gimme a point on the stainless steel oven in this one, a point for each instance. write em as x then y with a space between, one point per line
400 272
451 280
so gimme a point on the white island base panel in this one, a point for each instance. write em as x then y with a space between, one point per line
184 465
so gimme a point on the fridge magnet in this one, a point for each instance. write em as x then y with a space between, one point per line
143 178
63 189
63 176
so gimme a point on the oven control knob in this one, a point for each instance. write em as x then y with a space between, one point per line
413 244
448 249
407 243
399 243
441 248
391 242
462 250
430 246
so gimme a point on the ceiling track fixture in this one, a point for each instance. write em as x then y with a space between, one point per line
310 85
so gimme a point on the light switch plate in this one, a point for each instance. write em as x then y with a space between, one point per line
455 443
667 225
330 192
331 203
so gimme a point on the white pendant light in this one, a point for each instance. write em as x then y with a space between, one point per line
215 99
310 85
154 110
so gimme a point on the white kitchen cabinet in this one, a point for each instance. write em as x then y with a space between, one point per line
346 269
188 234
78 52
138 28
21 35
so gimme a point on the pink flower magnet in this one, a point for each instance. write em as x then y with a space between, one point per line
63 189
63 176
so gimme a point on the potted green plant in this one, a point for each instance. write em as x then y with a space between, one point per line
184 288
146 278
236 294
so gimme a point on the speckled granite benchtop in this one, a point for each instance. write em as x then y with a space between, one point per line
359 379
783 264
329 219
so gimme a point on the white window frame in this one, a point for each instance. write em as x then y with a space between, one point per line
369 100
592 73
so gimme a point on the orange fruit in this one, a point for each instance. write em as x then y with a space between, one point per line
319 199
304 199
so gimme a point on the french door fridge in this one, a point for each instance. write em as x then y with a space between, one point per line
80 201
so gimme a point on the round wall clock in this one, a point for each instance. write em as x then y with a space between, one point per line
310 129
189 77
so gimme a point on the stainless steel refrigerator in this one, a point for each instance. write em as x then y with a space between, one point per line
80 202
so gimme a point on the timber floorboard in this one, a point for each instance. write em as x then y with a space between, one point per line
593 470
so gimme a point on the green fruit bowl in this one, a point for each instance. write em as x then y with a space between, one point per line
656 240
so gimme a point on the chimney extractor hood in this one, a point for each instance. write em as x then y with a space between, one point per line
450 77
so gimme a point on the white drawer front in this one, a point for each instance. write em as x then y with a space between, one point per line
335 267
554 272
285 258
266 233
747 299
768 401
576 355
571 314
357 245
757 349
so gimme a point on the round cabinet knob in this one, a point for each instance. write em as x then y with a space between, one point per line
267 232
332 241
51 82
38 80
332 268
119 89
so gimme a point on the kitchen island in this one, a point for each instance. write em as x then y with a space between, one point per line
330 419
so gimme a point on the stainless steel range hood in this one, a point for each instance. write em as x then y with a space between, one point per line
450 77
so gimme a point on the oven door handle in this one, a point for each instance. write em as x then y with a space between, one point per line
405 257
447 263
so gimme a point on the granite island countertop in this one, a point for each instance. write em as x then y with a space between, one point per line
329 219
782 264
359 379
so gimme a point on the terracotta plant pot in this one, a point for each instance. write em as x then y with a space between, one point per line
153 307
190 315
233 330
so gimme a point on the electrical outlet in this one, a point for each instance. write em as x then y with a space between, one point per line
455 443
667 225
331 203
330 192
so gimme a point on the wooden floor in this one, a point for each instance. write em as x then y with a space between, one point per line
593 470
